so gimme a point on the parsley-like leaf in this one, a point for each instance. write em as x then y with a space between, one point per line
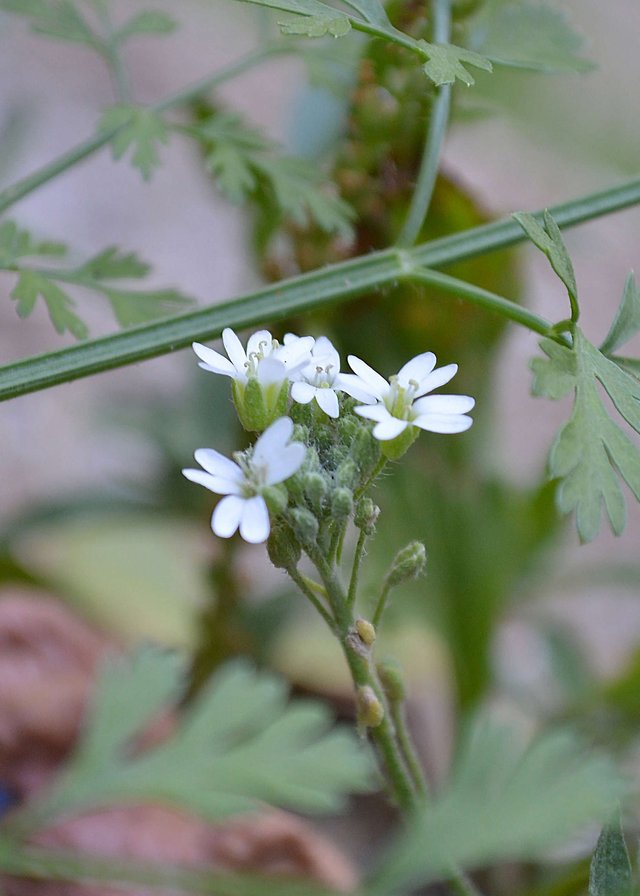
31 285
16 243
137 129
548 239
444 65
111 264
239 743
54 18
527 35
317 26
627 320
147 22
245 165
611 873
590 447
502 803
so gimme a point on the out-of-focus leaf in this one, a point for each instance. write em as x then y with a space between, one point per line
147 22
32 285
525 34
317 26
16 243
627 320
140 131
61 19
611 873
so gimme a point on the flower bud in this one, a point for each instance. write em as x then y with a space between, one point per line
276 497
341 503
369 710
259 404
347 473
408 563
392 680
284 550
365 450
305 525
366 516
315 489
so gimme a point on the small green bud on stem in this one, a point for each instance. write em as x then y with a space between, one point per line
305 526
283 548
341 504
392 680
408 564
366 516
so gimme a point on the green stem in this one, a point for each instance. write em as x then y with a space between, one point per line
363 674
436 129
111 53
27 185
355 569
483 298
382 602
379 467
308 588
404 738
331 284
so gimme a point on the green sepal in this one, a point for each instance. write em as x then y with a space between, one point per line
395 448
282 546
259 405
276 497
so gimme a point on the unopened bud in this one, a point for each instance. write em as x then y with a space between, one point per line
276 497
282 546
392 680
315 489
365 450
347 473
370 711
366 516
366 630
341 503
408 564
259 404
305 525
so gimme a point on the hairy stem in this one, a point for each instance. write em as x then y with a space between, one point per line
355 569
436 129
306 587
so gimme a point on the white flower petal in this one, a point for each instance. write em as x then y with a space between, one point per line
214 361
371 380
217 464
443 423
254 522
272 441
270 371
328 401
214 483
303 392
227 515
260 343
389 428
284 464
354 386
417 368
376 412
438 378
443 404
234 349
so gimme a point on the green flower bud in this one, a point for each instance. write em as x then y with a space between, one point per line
365 450
408 564
366 516
260 404
276 497
305 525
347 473
284 550
395 448
315 489
392 680
341 503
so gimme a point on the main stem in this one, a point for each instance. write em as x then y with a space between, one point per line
436 129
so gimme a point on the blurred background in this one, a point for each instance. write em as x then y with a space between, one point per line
94 509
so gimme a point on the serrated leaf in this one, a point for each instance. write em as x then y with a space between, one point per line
548 239
627 320
317 26
527 35
238 744
32 285
147 22
111 264
590 447
611 873
16 243
140 131
503 802
53 18
313 8
371 11
444 65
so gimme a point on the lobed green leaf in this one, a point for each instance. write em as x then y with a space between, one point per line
31 285
627 320
547 237
54 18
139 130
147 22
16 243
444 65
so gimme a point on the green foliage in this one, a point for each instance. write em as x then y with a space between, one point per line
239 743
138 130
245 166
16 243
444 65
32 285
54 18
147 22
548 239
626 323
317 26
590 447
526 34
611 873
502 803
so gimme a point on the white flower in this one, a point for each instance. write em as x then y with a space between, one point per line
240 364
400 402
321 377
272 460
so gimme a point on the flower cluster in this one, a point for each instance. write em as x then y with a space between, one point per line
270 380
